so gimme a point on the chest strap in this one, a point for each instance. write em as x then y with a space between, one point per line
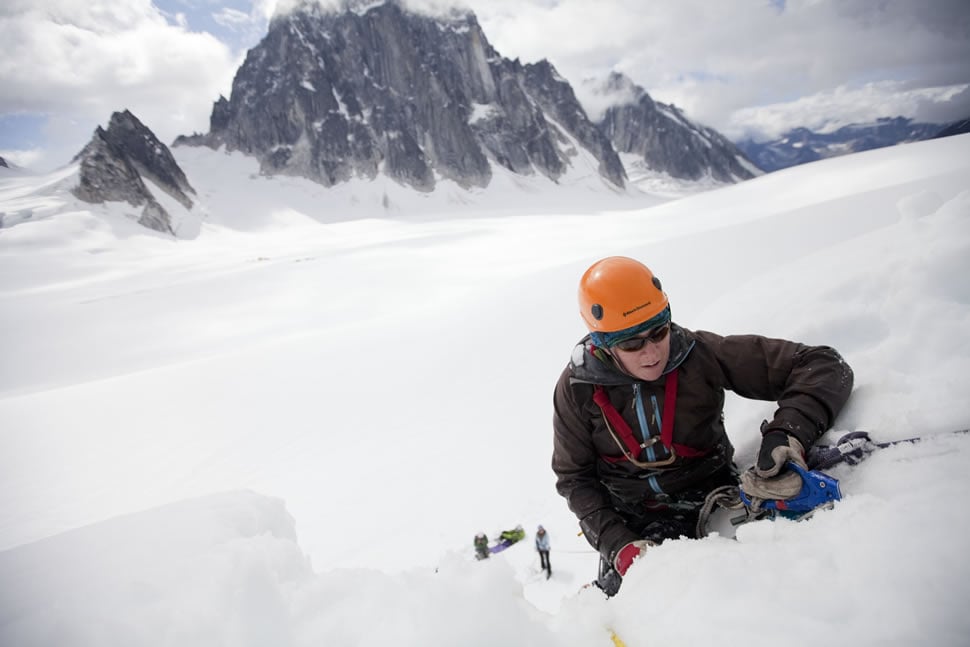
619 426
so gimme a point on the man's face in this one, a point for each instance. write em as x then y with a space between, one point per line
648 362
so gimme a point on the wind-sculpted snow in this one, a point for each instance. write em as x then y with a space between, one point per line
227 569
372 392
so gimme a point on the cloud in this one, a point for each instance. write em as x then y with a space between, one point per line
715 59
428 7
81 61
232 18
22 158
730 64
830 110
953 107
597 95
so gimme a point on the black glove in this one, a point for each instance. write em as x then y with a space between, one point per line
769 479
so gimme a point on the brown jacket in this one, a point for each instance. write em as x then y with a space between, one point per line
809 383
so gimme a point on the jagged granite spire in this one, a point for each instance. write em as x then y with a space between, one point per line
114 162
373 88
665 139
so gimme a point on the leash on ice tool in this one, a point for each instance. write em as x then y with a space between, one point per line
819 490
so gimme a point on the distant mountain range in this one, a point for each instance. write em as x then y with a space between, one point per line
373 89
801 145
330 95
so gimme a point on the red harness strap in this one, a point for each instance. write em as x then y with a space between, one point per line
626 434
617 422
670 404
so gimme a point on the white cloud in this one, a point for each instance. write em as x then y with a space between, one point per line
26 158
81 61
830 110
232 18
729 64
596 97
716 59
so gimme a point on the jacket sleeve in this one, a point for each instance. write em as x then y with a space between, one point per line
574 462
811 384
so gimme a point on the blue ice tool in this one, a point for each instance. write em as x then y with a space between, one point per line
818 489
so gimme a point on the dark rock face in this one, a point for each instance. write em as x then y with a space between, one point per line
3 163
954 128
333 95
557 99
108 176
666 140
149 156
801 145
114 162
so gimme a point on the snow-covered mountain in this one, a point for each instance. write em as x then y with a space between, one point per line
659 138
118 161
802 145
366 97
287 431
334 94
376 88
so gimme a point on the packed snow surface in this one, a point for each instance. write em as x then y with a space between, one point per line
286 426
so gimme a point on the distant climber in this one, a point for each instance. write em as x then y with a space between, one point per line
511 536
481 546
542 546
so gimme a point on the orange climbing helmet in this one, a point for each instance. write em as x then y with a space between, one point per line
619 294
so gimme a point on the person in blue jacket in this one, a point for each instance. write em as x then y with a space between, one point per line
542 545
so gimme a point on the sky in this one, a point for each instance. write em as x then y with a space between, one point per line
285 426
745 67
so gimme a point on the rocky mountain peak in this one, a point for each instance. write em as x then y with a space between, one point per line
664 138
373 87
117 160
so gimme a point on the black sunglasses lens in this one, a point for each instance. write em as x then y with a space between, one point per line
629 345
659 334
636 343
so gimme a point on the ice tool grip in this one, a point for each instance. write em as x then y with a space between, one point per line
818 489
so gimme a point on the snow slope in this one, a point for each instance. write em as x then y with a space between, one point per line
287 430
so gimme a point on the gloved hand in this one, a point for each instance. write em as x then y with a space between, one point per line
626 555
769 479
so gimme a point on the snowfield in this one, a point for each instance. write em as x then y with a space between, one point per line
286 426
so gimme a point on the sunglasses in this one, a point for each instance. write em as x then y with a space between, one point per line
655 336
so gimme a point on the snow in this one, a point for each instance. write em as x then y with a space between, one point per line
672 113
287 429
482 112
660 183
748 165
